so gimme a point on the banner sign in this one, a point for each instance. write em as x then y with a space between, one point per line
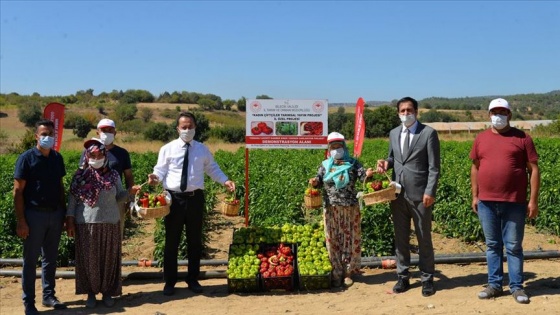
281 123
359 127
55 112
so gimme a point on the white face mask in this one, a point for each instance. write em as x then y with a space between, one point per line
499 121
407 120
337 154
106 138
96 163
187 135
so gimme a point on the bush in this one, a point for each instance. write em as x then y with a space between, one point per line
82 127
30 113
229 134
136 126
124 112
160 131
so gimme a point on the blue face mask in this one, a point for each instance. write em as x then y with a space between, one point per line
46 142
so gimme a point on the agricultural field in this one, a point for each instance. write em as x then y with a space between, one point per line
278 179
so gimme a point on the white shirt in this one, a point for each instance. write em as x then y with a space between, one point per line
412 131
170 165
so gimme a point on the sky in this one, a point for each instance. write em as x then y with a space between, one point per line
334 50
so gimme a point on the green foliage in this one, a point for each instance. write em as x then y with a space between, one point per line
30 113
82 127
242 104
206 104
125 112
278 178
160 131
136 96
229 134
168 113
434 116
263 97
135 126
27 142
202 126
550 130
146 114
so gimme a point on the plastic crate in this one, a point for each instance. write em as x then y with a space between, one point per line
244 285
285 283
315 282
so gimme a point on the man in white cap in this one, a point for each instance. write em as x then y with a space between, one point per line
505 162
119 160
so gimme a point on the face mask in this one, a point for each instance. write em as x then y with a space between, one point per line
187 135
499 121
337 154
96 163
407 120
106 138
46 142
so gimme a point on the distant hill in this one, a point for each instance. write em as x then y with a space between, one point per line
541 105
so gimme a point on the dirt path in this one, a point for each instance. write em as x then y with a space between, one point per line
456 284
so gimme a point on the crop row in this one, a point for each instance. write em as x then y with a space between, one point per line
278 179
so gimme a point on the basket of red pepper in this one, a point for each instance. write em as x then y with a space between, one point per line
152 205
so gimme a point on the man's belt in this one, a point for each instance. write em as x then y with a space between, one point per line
185 193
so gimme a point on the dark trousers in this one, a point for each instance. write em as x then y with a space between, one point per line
45 230
185 211
403 210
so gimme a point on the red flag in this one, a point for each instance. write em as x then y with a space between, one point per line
55 112
359 127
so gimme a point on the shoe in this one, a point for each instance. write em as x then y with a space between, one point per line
489 293
348 282
91 301
52 301
30 309
402 285
428 288
194 286
108 300
520 296
168 290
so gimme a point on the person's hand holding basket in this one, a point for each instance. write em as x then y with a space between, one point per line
230 204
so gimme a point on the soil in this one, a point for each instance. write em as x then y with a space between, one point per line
456 284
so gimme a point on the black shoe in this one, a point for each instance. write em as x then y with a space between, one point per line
52 301
402 285
428 288
30 309
194 286
168 290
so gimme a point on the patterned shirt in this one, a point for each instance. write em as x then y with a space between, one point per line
345 196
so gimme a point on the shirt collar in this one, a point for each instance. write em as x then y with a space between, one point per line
411 128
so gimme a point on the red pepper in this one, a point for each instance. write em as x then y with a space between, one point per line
145 202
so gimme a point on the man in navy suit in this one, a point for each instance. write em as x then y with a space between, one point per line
415 159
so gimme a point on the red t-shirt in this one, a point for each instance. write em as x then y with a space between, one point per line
502 174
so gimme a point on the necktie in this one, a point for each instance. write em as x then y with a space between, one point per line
406 144
184 173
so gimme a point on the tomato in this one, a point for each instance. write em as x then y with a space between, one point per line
256 131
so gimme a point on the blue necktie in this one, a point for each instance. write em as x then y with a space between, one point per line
185 172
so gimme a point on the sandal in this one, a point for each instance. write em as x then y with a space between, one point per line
520 296
489 293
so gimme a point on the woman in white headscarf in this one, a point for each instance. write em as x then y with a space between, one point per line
337 176
93 218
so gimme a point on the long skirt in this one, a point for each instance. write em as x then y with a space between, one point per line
343 233
98 259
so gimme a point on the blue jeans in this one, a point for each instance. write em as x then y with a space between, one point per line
45 230
503 224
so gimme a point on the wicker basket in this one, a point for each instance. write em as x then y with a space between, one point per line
153 213
384 195
230 209
313 202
